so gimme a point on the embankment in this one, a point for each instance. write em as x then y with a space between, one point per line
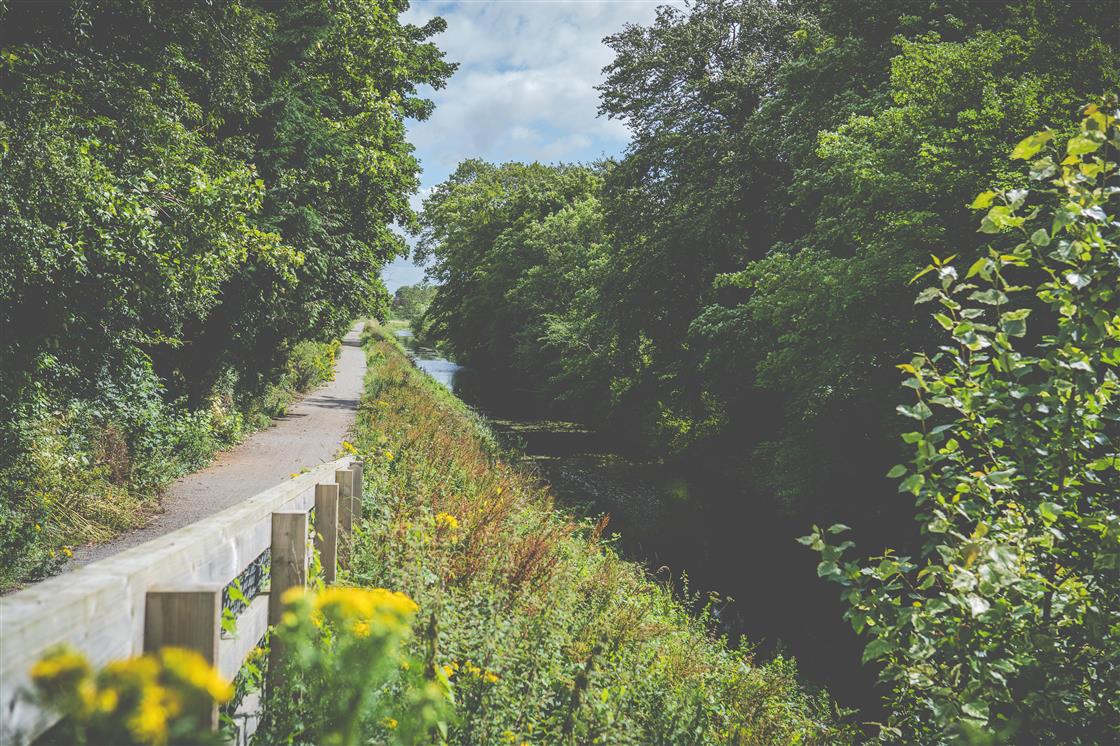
546 634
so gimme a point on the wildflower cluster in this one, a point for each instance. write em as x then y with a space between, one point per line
152 699
446 522
471 669
341 652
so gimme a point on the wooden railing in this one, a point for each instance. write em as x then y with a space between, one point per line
171 590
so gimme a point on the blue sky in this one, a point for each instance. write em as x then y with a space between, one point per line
525 88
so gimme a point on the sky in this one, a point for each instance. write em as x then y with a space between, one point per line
524 90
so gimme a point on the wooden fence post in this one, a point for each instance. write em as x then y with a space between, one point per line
349 510
326 529
358 467
289 559
289 570
186 617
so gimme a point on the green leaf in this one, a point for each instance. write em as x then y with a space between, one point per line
983 200
1081 144
837 528
1077 279
912 484
1028 146
1049 511
1040 237
828 569
990 297
976 709
877 648
980 267
977 605
896 471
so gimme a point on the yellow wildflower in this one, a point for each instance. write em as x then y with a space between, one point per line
149 723
293 594
68 551
62 663
107 701
193 669
388 455
348 447
446 520
389 723
490 677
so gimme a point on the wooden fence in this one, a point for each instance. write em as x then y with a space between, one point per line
172 590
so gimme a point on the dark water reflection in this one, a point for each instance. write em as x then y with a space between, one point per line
681 523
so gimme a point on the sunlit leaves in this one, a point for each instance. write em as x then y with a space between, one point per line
1014 474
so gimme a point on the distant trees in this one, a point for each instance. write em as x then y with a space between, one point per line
186 191
519 253
411 301
740 298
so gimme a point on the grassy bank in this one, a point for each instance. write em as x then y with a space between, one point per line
87 471
546 635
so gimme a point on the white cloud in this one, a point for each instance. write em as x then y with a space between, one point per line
525 88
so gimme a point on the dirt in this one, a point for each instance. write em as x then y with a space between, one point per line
309 434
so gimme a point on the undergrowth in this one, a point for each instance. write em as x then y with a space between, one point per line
82 471
543 634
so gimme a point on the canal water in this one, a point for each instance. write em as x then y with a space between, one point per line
689 530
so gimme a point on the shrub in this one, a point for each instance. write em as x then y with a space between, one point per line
342 672
1008 623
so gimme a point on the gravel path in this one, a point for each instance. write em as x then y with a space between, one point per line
309 434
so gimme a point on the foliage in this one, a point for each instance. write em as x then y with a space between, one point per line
410 302
1006 624
92 470
518 251
734 290
538 629
159 698
187 193
344 673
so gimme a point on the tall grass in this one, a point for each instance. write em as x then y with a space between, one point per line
545 634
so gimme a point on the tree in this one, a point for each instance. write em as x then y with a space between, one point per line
1007 622
411 301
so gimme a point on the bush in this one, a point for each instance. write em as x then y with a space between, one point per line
343 672
1007 626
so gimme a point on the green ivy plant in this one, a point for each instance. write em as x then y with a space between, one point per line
1007 624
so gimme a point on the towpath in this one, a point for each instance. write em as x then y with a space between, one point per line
309 434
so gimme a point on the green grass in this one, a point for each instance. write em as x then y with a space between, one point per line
546 634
